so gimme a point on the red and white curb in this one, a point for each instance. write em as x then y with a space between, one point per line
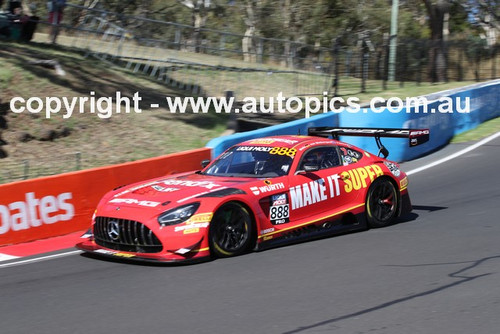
19 251
5 257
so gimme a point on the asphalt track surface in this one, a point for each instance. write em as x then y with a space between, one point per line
437 271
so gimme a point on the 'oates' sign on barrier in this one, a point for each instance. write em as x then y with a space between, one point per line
62 204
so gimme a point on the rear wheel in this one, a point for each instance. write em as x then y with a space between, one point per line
231 230
382 203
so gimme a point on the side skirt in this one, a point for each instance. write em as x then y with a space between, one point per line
317 231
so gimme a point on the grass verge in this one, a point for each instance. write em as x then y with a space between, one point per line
483 130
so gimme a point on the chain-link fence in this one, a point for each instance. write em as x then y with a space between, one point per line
212 61
11 171
28 169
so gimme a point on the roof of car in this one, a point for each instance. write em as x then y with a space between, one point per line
287 141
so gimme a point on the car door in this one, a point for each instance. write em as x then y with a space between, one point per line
318 193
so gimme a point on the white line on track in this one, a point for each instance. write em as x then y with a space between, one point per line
454 155
38 259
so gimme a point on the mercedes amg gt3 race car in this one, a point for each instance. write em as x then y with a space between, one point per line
257 194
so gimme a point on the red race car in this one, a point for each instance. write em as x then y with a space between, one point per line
257 194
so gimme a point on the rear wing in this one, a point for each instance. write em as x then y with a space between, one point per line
415 136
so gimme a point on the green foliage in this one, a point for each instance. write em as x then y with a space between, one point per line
317 22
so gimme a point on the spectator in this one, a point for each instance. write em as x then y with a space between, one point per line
17 20
55 9
13 5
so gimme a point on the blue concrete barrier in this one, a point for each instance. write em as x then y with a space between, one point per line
484 105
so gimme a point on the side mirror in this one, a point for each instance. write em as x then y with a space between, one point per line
204 163
311 167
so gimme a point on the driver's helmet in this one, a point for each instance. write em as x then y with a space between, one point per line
260 156
316 157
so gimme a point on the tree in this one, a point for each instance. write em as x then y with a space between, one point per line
486 15
199 10
438 12
252 10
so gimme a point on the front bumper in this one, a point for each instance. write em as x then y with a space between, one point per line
194 254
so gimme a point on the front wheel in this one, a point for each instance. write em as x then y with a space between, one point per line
382 203
231 230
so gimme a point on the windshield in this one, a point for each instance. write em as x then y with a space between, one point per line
252 161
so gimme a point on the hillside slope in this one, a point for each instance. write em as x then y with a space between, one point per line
47 146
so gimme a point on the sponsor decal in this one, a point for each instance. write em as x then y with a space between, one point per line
201 217
419 133
187 183
191 227
318 143
124 255
279 210
403 184
273 140
254 148
262 141
278 199
356 179
191 230
393 168
135 188
351 153
283 151
163 189
114 253
314 191
267 188
33 212
153 190
194 223
322 189
150 204
267 230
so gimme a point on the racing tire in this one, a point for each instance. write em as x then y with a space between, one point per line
231 231
382 202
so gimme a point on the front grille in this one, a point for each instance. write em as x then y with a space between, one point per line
125 235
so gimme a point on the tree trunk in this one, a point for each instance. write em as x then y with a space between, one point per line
438 63
199 19
247 44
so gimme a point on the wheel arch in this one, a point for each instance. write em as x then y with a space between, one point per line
252 214
398 193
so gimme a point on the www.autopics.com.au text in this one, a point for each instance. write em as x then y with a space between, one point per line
106 106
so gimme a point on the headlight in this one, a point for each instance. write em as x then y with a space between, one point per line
178 215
